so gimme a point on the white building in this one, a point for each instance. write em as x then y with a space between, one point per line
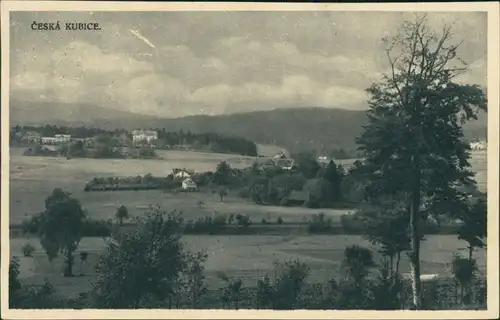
188 184
141 136
60 138
49 140
182 173
478 145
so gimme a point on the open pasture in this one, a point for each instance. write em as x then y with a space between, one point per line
32 179
230 254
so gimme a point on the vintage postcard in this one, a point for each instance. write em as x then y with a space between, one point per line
249 160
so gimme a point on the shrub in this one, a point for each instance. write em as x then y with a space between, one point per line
31 225
206 225
243 220
357 261
463 271
352 223
279 220
282 292
96 228
28 250
319 224
387 290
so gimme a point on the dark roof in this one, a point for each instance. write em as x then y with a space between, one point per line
297 195
285 163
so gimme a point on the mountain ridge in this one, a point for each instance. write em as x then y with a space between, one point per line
296 129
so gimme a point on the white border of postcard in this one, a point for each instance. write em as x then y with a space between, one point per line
492 8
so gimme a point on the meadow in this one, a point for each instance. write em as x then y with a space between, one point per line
248 257
32 179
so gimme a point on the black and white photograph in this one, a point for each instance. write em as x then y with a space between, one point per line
239 159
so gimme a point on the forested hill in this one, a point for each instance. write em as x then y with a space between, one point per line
296 129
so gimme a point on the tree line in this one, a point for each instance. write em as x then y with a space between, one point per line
416 167
119 137
149 267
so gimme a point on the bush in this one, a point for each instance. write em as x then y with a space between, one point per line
31 225
207 225
283 291
279 220
97 228
243 220
28 250
319 224
352 223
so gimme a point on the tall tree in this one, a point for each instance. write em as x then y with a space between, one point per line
474 226
121 214
222 173
142 266
61 226
414 140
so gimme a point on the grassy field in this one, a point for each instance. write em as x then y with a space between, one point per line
32 179
230 254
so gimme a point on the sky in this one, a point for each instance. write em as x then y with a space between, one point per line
174 64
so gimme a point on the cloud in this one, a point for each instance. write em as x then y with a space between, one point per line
218 62
143 38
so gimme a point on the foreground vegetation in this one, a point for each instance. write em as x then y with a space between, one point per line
415 169
156 243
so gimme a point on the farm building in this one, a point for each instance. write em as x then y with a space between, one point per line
478 145
32 137
49 140
61 138
141 136
285 164
182 173
188 184
298 198
279 156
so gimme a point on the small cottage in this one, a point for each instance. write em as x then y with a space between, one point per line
285 164
298 198
188 184
182 173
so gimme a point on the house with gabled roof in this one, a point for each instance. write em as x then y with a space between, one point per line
298 198
182 173
188 184
285 164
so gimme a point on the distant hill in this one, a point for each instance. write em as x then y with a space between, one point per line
36 113
295 129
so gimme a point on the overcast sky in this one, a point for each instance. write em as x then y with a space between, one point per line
175 64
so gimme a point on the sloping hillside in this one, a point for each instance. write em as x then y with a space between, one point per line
294 129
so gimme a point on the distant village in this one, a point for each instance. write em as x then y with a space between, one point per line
139 137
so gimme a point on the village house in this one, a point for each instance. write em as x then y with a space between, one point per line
49 140
478 145
279 156
61 138
182 173
285 164
298 198
32 137
188 184
323 160
144 136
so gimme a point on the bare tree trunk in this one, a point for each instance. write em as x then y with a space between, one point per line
391 264
398 259
415 253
